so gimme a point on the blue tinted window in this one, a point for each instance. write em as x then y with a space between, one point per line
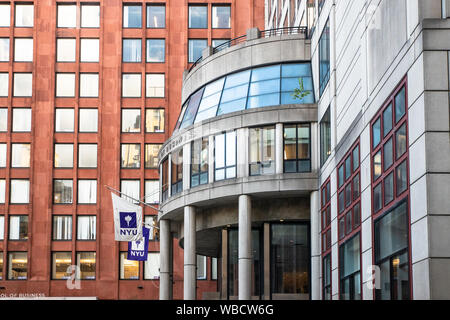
234 93
156 16
198 17
156 50
192 108
263 101
196 47
131 50
132 17
296 70
233 106
265 73
264 87
237 79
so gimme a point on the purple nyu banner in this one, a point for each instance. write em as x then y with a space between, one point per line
138 250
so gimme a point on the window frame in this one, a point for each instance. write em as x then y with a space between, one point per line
77 227
192 5
199 165
54 229
20 216
214 5
147 14
225 157
261 148
296 148
130 4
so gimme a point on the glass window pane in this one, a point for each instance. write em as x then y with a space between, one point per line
154 120
130 188
4 84
23 84
2 190
131 120
356 215
152 191
132 16
88 85
348 195
90 16
151 155
156 50
86 262
198 17
20 155
23 50
17 265
341 200
400 105
201 267
155 84
389 189
348 222
87 191
65 50
402 178
3 120
64 120
132 50
67 16
231 148
63 155
349 257
387 120
62 228
376 133
400 141
356 158
131 156
88 120
90 50
21 120
219 150
261 101
151 266
86 227
221 16
20 191
4 48
129 270
2 232
18 227
61 262
5 15
196 47
356 188
219 42
24 15
388 157
348 168
264 87
65 84
62 191
266 73
377 198
131 85
156 16
377 166
3 148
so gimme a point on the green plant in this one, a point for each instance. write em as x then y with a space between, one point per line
300 92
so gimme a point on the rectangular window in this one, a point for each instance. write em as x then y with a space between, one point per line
89 50
156 16
4 84
18 228
150 222
156 50
90 16
62 228
325 137
86 263
88 85
61 262
198 17
151 155
152 191
2 227
132 16
177 171
87 191
326 277
132 50
165 180
213 268
64 120
297 148
3 119
67 16
24 15
155 84
324 58
63 155
154 120
62 191
130 188
220 42
88 120
20 155
23 84
65 85
350 270
196 47
262 151
5 15
20 191
23 50
221 17
2 190
3 150
87 156
17 265
131 85
65 50
86 228
129 270
151 266
225 156
131 156
131 120
199 162
201 267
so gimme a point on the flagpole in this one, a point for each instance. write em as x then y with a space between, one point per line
137 200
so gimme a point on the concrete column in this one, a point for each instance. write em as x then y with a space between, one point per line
165 282
315 246
245 247
190 257
279 157
253 34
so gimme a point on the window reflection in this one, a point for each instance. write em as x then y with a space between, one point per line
61 261
17 265
86 263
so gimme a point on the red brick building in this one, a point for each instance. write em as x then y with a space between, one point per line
88 92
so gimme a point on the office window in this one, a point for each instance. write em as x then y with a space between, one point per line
3 119
198 17
131 156
5 15
325 137
262 150
326 281
20 155
65 85
62 228
177 171
152 191
201 267
88 120
61 261
17 265
20 191
18 228
213 268
165 179
86 227
65 50
151 266
64 120
4 48
155 84
199 162
219 42
89 50
21 120
131 50
131 120
3 151
156 16
131 188
131 85
86 263
2 229
63 155
132 16
326 216
154 120
221 17
90 16
87 191
129 269
297 148
150 222
151 155
23 50
196 47
156 50
62 191
225 156
350 270
88 85
4 84
2 190
23 84
324 58
24 15
67 16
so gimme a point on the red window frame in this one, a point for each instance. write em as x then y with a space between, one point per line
325 222
397 124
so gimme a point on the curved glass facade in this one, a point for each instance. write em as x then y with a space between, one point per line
252 88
